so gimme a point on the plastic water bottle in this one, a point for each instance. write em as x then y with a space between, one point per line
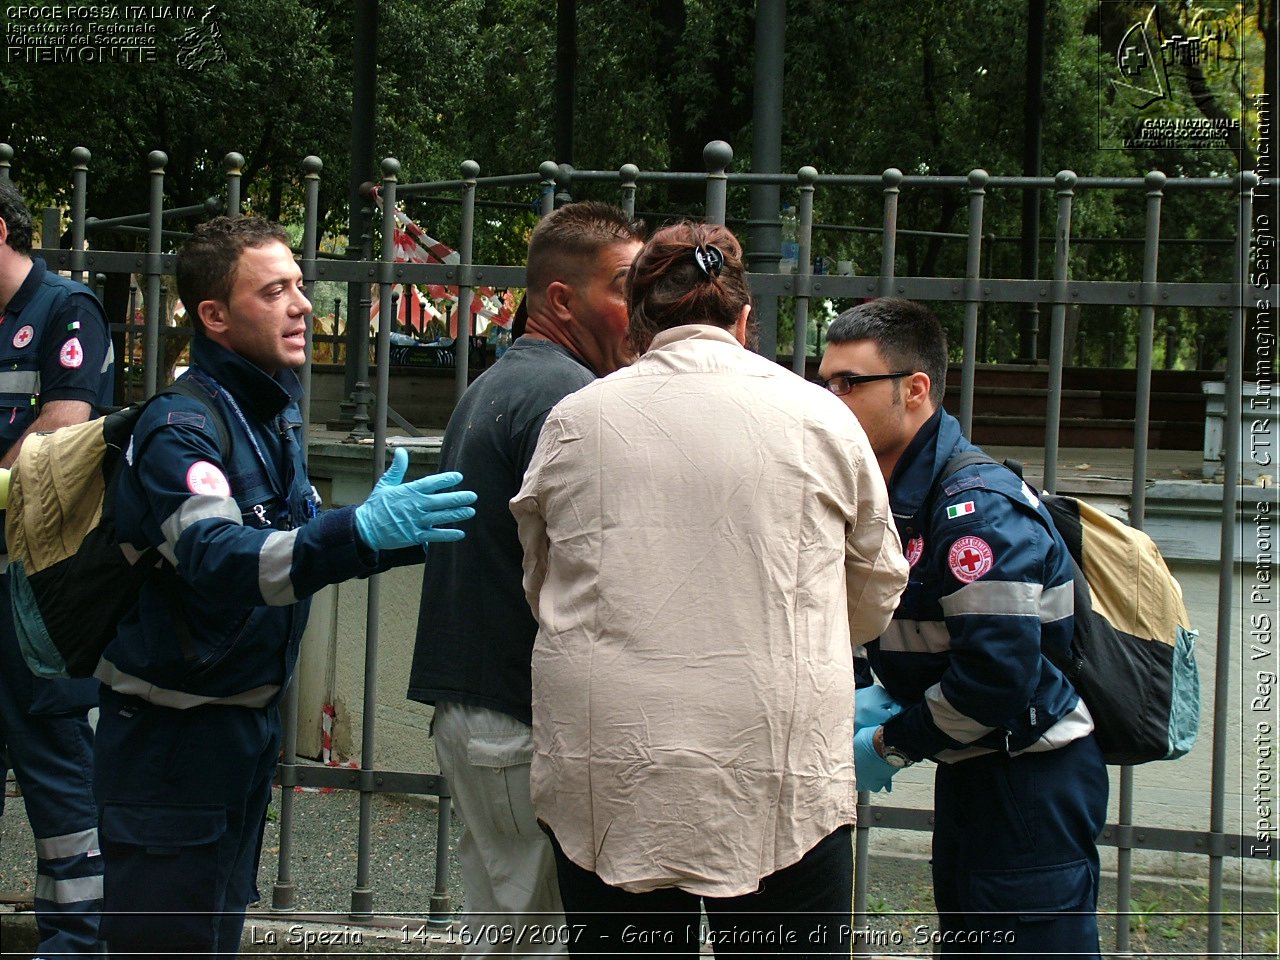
790 240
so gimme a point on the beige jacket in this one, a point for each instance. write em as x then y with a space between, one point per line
705 535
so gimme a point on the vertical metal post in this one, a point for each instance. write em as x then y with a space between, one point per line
311 167
1155 181
972 297
1137 515
358 330
627 174
6 157
466 251
156 161
892 179
764 232
861 861
130 341
362 895
984 326
364 101
1170 345
233 163
441 904
79 181
1233 390
566 77
1029 325
548 171
50 227
564 184
804 271
1065 182
717 155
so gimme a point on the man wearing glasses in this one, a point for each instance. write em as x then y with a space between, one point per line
1020 791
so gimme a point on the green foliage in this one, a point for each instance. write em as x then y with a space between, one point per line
936 90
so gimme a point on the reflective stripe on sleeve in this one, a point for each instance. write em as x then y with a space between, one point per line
132 686
193 510
63 892
1005 598
951 721
916 636
68 845
275 566
1074 726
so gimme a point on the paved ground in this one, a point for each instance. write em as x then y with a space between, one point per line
1167 919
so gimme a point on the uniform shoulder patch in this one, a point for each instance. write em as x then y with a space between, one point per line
72 354
205 479
957 510
964 483
970 558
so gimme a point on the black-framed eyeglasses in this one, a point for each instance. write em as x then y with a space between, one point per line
842 383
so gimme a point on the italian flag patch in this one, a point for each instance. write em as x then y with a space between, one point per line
960 510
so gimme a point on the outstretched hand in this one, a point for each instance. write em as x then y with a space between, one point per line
398 514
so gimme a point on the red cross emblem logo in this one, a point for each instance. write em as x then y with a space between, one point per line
970 558
72 354
23 336
915 548
205 479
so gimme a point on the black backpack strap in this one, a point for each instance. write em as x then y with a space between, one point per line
195 391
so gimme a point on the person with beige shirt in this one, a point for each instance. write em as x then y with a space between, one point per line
706 538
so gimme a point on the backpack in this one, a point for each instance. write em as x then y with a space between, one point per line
1132 649
71 581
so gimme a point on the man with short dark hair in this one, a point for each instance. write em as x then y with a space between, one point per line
189 730
55 368
1021 788
475 630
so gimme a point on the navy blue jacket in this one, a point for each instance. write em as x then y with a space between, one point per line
990 588
54 345
243 532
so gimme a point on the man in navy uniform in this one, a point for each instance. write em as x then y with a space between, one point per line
55 368
189 730
1021 788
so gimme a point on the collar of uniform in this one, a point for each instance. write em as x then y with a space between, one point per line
28 288
265 396
692 331
926 454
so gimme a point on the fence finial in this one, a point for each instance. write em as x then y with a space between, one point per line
717 155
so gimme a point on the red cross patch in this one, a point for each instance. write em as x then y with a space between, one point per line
204 479
915 549
72 354
23 336
970 558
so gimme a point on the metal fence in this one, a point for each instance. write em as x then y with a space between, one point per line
1241 293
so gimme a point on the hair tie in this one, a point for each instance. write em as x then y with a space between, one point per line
709 260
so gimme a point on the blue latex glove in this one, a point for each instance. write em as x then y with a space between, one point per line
873 771
398 514
873 706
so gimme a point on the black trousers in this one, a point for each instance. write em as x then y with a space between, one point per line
801 910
